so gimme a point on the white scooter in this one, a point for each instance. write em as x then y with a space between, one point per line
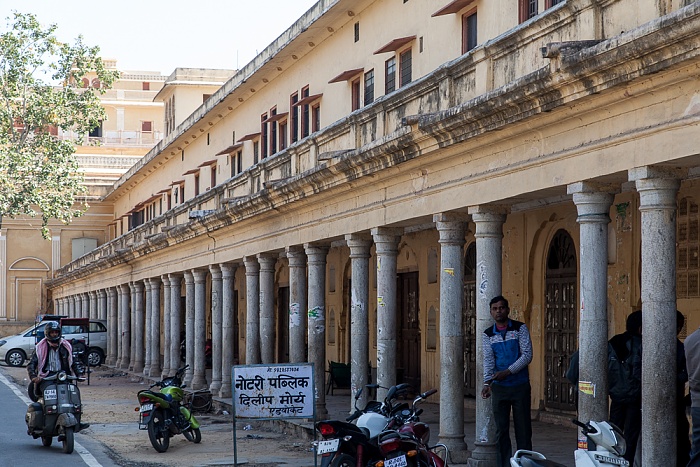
607 438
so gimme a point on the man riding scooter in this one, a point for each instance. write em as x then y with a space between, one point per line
52 355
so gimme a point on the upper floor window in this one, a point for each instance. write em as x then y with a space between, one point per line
273 131
256 151
405 60
369 87
527 9
145 86
294 111
263 134
196 184
357 31
305 120
390 75
146 127
355 89
316 117
469 38
283 134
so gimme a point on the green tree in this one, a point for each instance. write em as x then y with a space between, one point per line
41 90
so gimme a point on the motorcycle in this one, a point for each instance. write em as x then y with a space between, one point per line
609 444
163 414
80 356
57 412
405 442
351 444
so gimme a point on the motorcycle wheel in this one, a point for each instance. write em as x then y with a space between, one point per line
193 434
158 433
344 460
68 440
46 440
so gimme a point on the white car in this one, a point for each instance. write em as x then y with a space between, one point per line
15 350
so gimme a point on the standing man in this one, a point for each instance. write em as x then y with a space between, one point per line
692 357
507 353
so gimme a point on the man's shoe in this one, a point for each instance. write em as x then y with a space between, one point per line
82 426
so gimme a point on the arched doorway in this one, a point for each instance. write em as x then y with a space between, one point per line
560 321
469 321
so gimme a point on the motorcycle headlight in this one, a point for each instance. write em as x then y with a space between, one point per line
62 376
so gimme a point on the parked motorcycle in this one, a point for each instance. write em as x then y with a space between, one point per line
80 355
57 411
609 444
163 414
405 442
351 444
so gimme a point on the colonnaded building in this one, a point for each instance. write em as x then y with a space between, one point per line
363 188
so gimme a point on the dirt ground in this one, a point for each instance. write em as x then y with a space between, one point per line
109 404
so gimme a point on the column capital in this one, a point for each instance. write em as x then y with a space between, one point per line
102 293
252 266
386 240
593 206
267 261
316 252
359 245
92 293
451 227
137 286
112 291
200 275
657 187
228 270
296 256
489 220
656 172
175 277
215 271
155 281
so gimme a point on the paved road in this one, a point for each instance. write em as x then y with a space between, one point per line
21 450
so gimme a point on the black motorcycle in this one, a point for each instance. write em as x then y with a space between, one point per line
57 411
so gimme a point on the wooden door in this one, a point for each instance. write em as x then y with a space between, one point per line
469 321
560 322
408 339
283 325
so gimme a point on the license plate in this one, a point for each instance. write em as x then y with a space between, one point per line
146 407
611 460
327 446
49 394
396 462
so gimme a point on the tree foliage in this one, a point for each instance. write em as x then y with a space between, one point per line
41 89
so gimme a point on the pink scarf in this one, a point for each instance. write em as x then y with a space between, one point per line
42 353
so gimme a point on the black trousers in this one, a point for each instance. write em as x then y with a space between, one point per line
517 399
628 417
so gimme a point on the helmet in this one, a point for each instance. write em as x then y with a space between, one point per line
52 331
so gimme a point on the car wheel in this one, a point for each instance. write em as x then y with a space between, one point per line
95 357
15 357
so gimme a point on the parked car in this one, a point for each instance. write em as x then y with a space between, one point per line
17 349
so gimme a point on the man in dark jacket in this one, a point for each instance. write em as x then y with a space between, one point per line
626 394
53 354
507 353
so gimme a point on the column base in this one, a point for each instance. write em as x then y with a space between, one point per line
483 455
199 383
215 387
459 452
225 391
154 373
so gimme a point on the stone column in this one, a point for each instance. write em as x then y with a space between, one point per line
132 323
92 304
593 207
147 327
71 306
139 326
189 327
267 307
166 326
86 305
154 370
657 203
359 245
489 276
113 327
78 306
297 304
252 342
102 304
216 331
228 323
175 321
199 378
317 321
451 228
387 244
125 320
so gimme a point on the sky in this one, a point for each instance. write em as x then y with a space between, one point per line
161 35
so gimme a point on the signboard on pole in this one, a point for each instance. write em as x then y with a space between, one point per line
273 391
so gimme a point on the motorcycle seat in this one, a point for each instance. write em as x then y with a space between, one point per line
530 462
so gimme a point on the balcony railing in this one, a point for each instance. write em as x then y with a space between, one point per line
118 138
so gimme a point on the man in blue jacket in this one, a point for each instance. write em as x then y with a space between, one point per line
507 353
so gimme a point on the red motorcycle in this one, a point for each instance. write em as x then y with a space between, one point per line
405 443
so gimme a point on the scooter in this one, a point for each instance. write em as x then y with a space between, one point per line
57 412
405 441
351 444
609 443
164 416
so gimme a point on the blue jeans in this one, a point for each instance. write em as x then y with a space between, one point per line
695 456
503 399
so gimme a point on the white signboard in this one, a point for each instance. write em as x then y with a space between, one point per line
273 391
